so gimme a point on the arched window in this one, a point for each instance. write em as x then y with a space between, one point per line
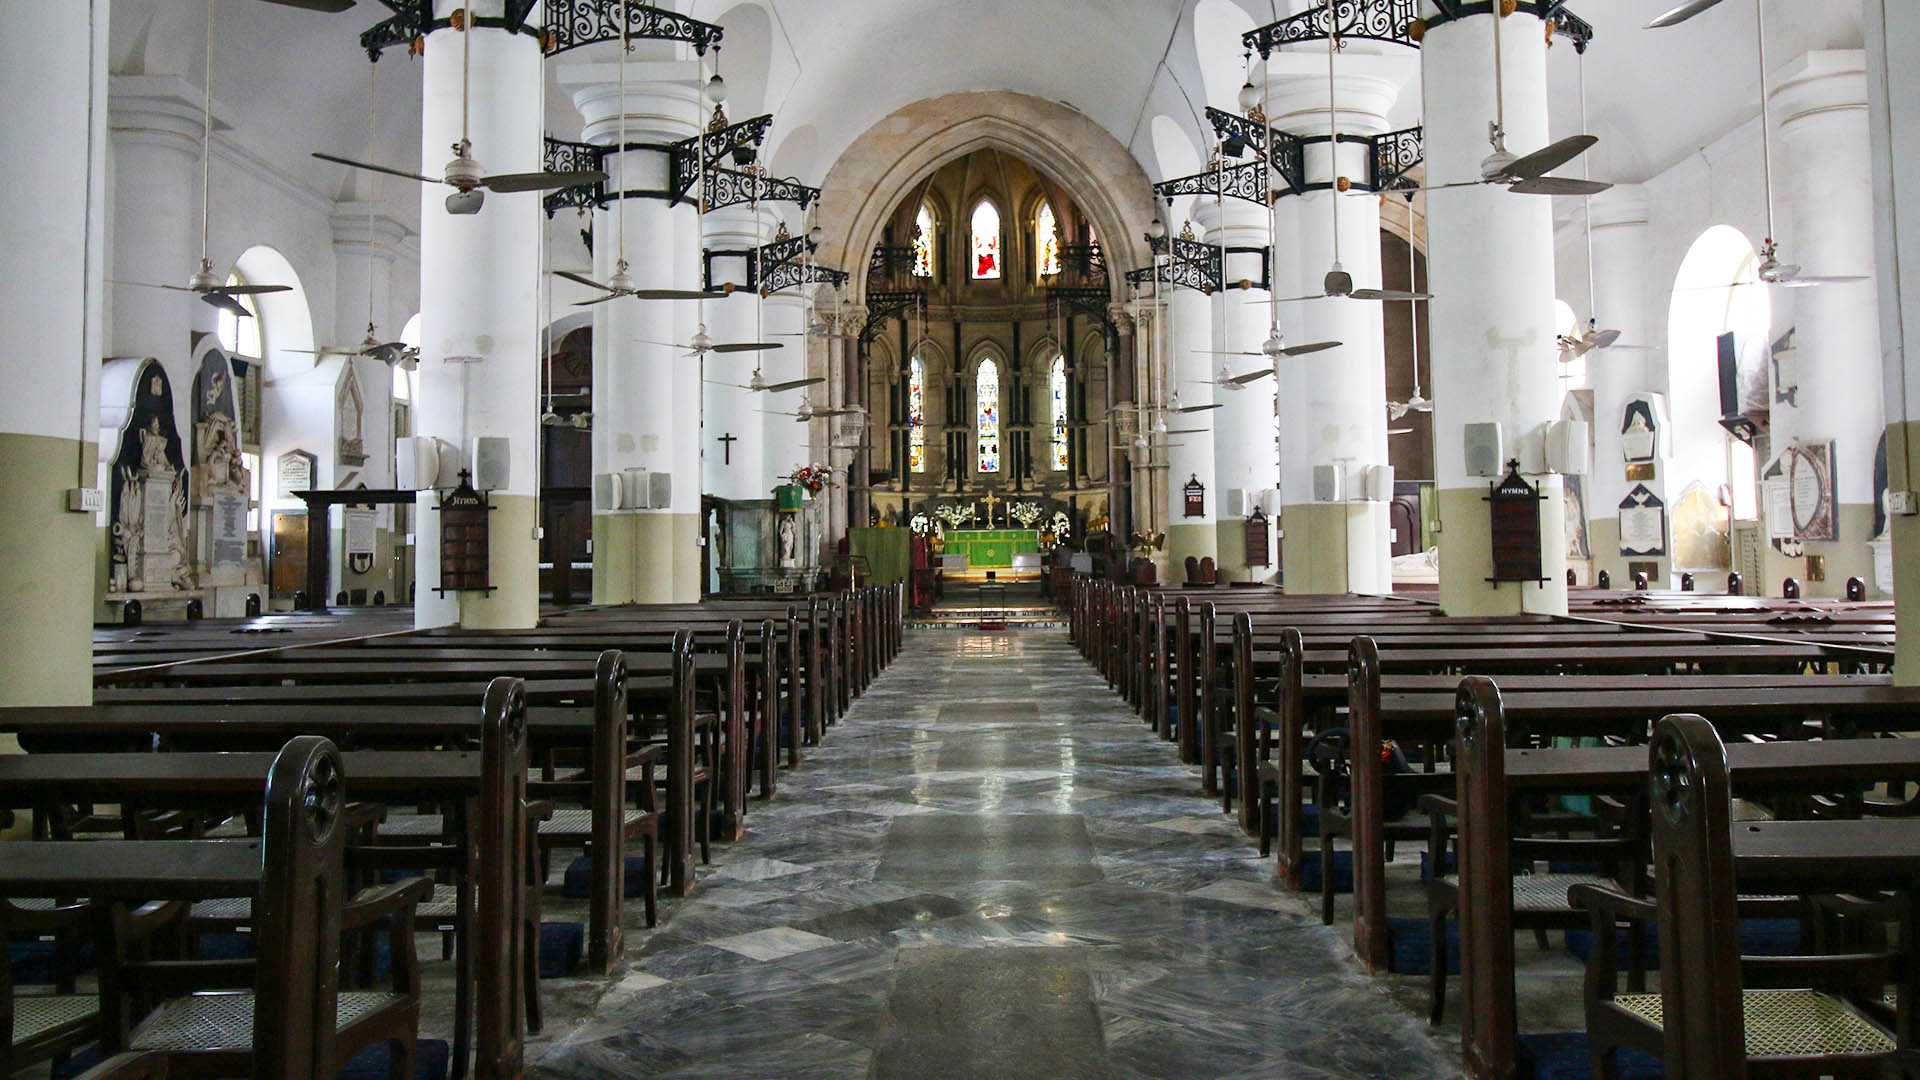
238 334
923 242
1717 291
916 415
986 241
1057 392
1046 241
986 408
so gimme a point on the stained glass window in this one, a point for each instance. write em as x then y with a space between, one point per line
986 396
986 241
923 243
916 415
1057 391
1046 241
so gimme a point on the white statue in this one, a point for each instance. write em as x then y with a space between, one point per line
789 541
153 449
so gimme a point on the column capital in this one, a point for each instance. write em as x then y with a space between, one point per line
661 101
380 235
1121 314
1818 81
164 110
1365 88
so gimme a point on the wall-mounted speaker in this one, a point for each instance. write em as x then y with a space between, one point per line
1483 450
635 489
1237 505
1328 484
1379 483
660 490
1567 446
492 467
608 492
416 463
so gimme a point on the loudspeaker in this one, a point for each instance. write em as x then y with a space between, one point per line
635 489
1328 484
1567 446
416 463
1269 501
660 490
491 466
1237 503
1379 483
1483 449
607 492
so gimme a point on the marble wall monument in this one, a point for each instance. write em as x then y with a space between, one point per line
219 481
147 535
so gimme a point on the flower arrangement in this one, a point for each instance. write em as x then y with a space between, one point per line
1026 513
954 514
815 478
920 524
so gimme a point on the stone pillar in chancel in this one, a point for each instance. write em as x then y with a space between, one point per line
784 438
53 56
639 412
1246 460
479 313
1823 186
733 469
1492 316
1120 381
1334 404
1620 257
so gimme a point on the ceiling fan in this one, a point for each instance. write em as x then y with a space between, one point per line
1338 283
1680 14
388 352
1275 347
463 173
759 382
808 412
702 343
204 281
1225 379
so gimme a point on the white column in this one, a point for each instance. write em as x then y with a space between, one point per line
1620 259
637 417
692 435
53 64
1893 88
1245 457
1492 270
1189 336
1824 182
1334 404
732 470
785 438
479 293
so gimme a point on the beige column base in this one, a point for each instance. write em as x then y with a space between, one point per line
47 565
1466 557
1336 548
1197 540
1231 542
637 557
513 569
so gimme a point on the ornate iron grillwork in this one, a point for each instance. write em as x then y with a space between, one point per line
1375 20
1189 263
890 264
730 187
887 304
1396 153
564 155
768 260
1564 23
723 144
797 272
573 23
1248 181
1390 155
413 20
1082 263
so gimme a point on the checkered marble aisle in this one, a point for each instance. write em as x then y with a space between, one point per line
991 869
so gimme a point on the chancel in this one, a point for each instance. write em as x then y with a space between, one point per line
1238 538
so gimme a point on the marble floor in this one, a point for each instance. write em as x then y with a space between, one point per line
990 869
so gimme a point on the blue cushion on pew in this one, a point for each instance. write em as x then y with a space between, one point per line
1565 1056
1342 871
1410 947
31 962
1309 820
1758 937
225 945
431 1058
1426 858
561 946
578 882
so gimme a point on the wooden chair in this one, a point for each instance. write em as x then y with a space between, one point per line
43 1027
293 1019
1719 1014
1496 834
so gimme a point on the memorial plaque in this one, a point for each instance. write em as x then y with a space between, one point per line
296 472
360 523
229 529
1514 507
1643 523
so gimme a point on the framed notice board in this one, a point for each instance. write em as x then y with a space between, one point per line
1259 551
1515 518
463 539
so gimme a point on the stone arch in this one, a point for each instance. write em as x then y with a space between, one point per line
887 161
284 316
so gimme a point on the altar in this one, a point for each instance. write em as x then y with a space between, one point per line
992 549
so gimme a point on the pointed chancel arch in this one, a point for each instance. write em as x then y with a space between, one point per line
986 412
986 241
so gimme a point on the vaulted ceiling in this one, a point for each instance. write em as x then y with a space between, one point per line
293 81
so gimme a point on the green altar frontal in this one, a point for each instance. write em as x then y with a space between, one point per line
990 548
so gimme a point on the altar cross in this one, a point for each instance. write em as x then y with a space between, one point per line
726 447
992 501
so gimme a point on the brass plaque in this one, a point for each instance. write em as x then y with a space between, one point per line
1641 472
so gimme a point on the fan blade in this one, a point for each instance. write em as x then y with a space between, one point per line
582 279
250 290
330 7
1220 352
598 299
1291 299
350 163
1680 14
1318 346
673 294
1388 294
748 346
1808 282
225 303
150 285
1550 157
1251 376
793 384
542 181
1198 408
1188 431
1557 185
1400 431
1605 339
